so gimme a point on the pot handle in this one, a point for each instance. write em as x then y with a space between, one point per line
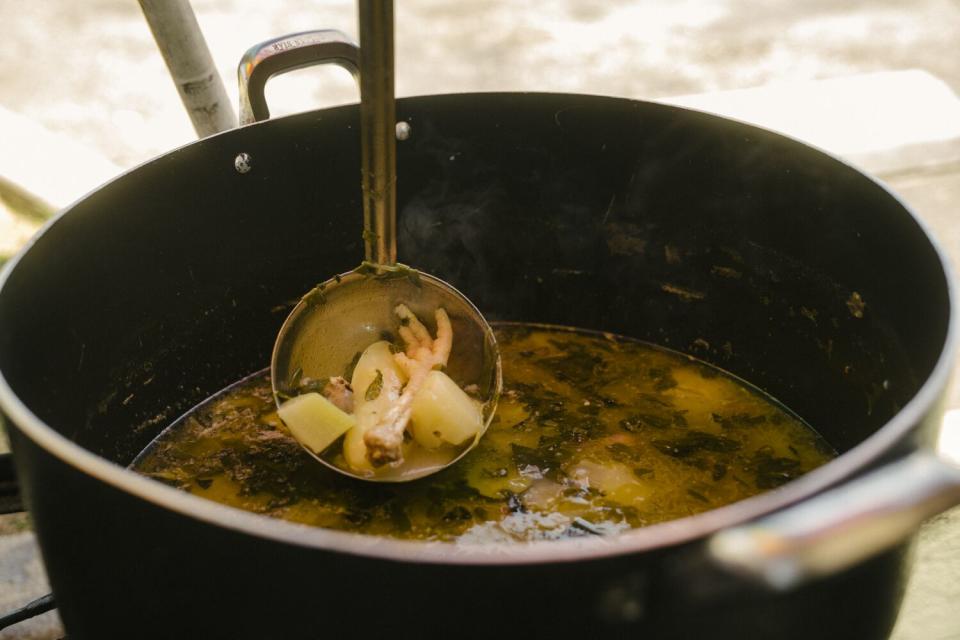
287 53
840 527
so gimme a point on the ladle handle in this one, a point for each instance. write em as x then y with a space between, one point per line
378 131
377 106
843 526
287 53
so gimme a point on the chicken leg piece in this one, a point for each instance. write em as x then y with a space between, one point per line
422 354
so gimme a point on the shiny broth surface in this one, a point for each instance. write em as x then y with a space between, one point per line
593 434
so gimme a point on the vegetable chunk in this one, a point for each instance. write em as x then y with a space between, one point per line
443 413
314 420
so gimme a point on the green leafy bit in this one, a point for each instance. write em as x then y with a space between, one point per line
662 378
693 442
772 471
375 388
623 453
348 372
738 420
638 421
547 457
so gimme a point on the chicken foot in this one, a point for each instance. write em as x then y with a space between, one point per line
422 354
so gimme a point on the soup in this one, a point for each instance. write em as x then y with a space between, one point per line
593 434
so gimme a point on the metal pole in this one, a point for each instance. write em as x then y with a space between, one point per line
378 141
181 42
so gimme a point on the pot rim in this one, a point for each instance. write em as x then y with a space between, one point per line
634 541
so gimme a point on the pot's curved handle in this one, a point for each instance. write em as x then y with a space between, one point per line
287 53
843 526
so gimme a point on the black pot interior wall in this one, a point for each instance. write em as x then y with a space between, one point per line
735 245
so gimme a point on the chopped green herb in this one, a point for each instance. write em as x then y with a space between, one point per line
622 453
771 471
348 372
373 391
693 442
662 378
738 420
638 421
719 471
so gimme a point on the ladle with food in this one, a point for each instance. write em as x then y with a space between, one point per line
356 360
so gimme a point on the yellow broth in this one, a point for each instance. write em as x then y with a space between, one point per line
593 434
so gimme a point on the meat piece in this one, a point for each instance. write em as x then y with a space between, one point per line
339 392
421 354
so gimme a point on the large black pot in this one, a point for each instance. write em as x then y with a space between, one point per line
754 252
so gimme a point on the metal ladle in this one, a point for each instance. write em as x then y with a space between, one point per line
338 319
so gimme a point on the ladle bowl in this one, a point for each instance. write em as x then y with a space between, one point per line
335 321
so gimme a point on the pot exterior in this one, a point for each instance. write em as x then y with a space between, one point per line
753 252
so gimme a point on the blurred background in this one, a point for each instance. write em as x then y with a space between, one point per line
84 95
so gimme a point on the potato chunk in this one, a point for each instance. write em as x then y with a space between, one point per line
442 413
355 451
376 357
315 421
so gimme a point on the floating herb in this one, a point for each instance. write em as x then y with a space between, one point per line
638 421
695 441
623 453
772 472
576 364
373 391
738 420
348 372
457 514
719 471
